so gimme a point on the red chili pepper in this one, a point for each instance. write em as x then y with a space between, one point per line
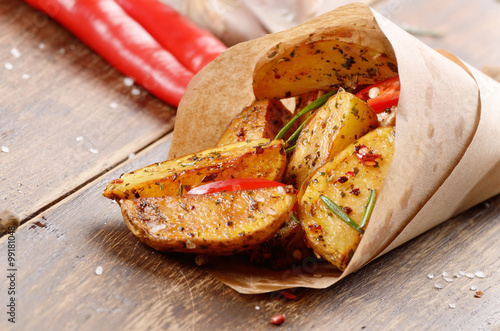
191 45
388 94
235 184
106 28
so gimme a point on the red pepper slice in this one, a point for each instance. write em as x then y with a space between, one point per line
235 184
191 45
388 95
106 28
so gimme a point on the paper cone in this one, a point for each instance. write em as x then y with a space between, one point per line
447 139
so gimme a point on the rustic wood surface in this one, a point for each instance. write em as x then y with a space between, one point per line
55 183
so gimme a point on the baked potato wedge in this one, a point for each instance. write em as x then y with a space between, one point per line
343 119
320 65
263 119
261 158
220 223
347 181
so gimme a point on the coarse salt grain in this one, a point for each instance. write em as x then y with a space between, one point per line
190 244
257 307
128 81
445 274
430 276
473 288
448 279
5 149
62 50
15 52
452 305
79 138
457 275
201 260
94 151
470 275
98 270
479 274
462 273
113 105
438 285
131 156
41 45
25 76
135 91
374 92
8 66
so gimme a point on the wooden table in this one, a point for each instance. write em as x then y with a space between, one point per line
71 125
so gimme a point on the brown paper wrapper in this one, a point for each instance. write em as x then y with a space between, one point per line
447 139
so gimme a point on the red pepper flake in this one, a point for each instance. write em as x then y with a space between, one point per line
347 210
117 181
278 319
315 227
355 191
368 159
350 173
342 179
289 295
259 150
478 294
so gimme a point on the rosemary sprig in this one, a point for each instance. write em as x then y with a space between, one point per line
313 105
341 214
368 208
290 149
293 138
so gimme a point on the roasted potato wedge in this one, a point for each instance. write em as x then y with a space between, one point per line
261 158
263 119
218 224
343 119
347 181
320 65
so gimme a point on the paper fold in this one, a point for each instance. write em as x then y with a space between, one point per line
447 139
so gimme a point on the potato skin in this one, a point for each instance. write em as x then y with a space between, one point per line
261 158
220 223
320 65
262 119
346 180
343 119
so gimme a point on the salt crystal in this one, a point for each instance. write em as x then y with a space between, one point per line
457 275
479 274
62 50
473 288
8 66
438 285
430 276
93 151
448 279
190 244
445 274
135 91
41 45
201 259
5 149
113 105
79 138
15 52
317 275
257 307
462 273
452 305
98 270
131 156
128 81
470 275
25 76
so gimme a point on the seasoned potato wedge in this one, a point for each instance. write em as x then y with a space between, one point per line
347 181
320 65
261 158
263 119
343 119
219 223
286 248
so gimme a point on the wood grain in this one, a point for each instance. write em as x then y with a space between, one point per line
142 289
67 95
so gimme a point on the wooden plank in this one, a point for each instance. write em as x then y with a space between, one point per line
141 289
67 95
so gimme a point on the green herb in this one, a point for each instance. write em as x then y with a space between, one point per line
368 208
293 138
180 190
341 214
294 217
162 185
187 164
313 105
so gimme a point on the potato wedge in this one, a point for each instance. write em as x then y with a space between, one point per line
346 180
261 158
343 119
220 223
263 119
320 65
